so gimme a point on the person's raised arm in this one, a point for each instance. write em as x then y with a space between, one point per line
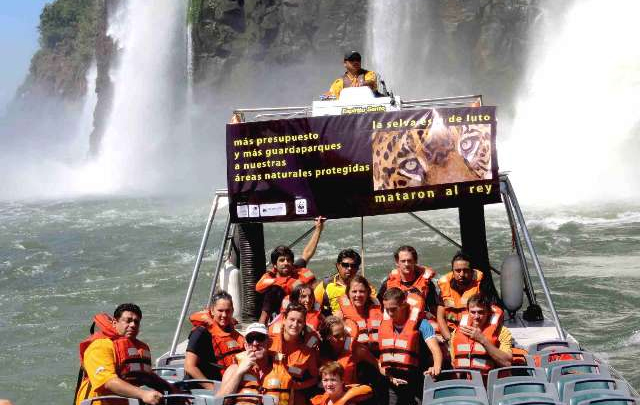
310 249
233 375
502 358
436 354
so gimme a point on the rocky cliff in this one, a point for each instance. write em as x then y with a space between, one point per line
481 44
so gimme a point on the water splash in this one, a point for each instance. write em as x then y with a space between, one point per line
576 118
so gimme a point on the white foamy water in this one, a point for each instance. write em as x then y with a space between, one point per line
576 117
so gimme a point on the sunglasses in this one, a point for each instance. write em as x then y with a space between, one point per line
348 265
256 337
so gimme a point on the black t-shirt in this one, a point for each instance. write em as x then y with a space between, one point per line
200 344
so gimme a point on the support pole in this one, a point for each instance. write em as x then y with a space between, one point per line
194 274
362 244
221 255
534 257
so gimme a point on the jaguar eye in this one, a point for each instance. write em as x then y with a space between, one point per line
470 143
410 165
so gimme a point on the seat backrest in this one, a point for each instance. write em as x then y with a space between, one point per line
562 368
516 390
505 375
552 345
549 358
453 401
172 374
263 399
606 400
455 384
593 383
170 360
110 399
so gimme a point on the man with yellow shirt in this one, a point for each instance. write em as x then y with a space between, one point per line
114 362
333 287
354 76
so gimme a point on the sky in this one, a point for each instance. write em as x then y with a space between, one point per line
18 42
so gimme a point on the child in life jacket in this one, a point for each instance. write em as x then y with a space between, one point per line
335 390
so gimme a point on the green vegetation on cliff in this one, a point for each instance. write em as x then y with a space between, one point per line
193 14
68 30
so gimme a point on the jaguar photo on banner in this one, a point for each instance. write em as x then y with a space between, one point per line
362 164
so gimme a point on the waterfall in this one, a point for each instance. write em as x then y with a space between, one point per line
398 46
142 136
573 135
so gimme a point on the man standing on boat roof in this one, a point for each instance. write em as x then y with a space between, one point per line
286 273
456 288
354 76
115 362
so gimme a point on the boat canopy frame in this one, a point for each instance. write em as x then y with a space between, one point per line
520 233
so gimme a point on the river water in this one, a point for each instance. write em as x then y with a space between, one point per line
63 261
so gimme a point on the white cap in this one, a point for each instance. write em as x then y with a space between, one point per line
256 327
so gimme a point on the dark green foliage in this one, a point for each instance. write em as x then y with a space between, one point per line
195 7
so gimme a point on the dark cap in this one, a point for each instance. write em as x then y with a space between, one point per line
352 55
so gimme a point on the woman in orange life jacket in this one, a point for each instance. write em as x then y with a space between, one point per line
296 348
285 274
213 342
361 312
481 342
335 390
358 362
254 371
302 294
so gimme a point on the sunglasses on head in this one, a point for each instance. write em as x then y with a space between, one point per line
256 337
348 265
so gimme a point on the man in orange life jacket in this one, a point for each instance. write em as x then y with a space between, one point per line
456 288
410 277
213 342
255 371
114 360
354 76
405 338
481 342
284 268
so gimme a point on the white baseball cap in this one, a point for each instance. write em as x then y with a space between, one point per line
256 327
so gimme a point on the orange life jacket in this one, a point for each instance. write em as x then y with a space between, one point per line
346 359
454 303
400 351
420 284
225 344
362 330
354 393
131 355
296 360
299 276
417 301
276 383
314 316
468 353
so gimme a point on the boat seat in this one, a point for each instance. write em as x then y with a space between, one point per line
519 391
109 399
567 386
262 399
170 374
610 401
500 376
549 358
452 386
173 360
554 345
561 369
578 391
